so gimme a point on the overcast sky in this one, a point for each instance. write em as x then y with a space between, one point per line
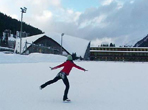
122 22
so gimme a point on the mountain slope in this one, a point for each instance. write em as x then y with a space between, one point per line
142 43
6 22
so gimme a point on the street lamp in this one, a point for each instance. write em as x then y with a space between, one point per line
23 10
61 41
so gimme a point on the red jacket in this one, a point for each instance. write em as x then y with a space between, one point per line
68 65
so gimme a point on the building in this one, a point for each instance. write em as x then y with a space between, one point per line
7 40
4 39
54 43
119 53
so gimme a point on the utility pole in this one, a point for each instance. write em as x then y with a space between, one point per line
62 42
23 10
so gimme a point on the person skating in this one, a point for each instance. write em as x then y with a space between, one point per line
68 65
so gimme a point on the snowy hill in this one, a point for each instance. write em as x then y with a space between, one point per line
105 86
142 43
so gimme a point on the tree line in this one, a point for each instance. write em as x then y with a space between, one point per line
6 22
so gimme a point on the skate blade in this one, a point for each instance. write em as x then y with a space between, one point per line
67 101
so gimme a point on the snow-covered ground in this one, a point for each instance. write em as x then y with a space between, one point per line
105 86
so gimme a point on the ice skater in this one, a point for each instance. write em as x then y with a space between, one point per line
68 65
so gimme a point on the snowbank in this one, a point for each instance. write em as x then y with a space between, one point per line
31 58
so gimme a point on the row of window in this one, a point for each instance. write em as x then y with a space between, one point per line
120 49
119 59
118 54
43 50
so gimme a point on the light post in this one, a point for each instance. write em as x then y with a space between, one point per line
61 41
23 10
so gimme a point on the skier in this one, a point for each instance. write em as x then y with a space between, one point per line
68 65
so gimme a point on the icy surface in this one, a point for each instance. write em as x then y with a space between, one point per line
105 86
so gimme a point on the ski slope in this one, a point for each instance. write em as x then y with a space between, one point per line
105 86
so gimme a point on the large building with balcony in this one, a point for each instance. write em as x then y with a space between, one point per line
119 53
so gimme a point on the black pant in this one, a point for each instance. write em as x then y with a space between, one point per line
59 76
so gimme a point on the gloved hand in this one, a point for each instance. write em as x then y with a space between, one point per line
51 68
85 70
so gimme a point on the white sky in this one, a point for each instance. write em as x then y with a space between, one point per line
118 21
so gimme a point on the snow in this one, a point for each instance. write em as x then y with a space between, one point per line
70 43
32 58
5 48
105 86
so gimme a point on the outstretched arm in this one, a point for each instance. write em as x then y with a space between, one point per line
57 66
78 67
